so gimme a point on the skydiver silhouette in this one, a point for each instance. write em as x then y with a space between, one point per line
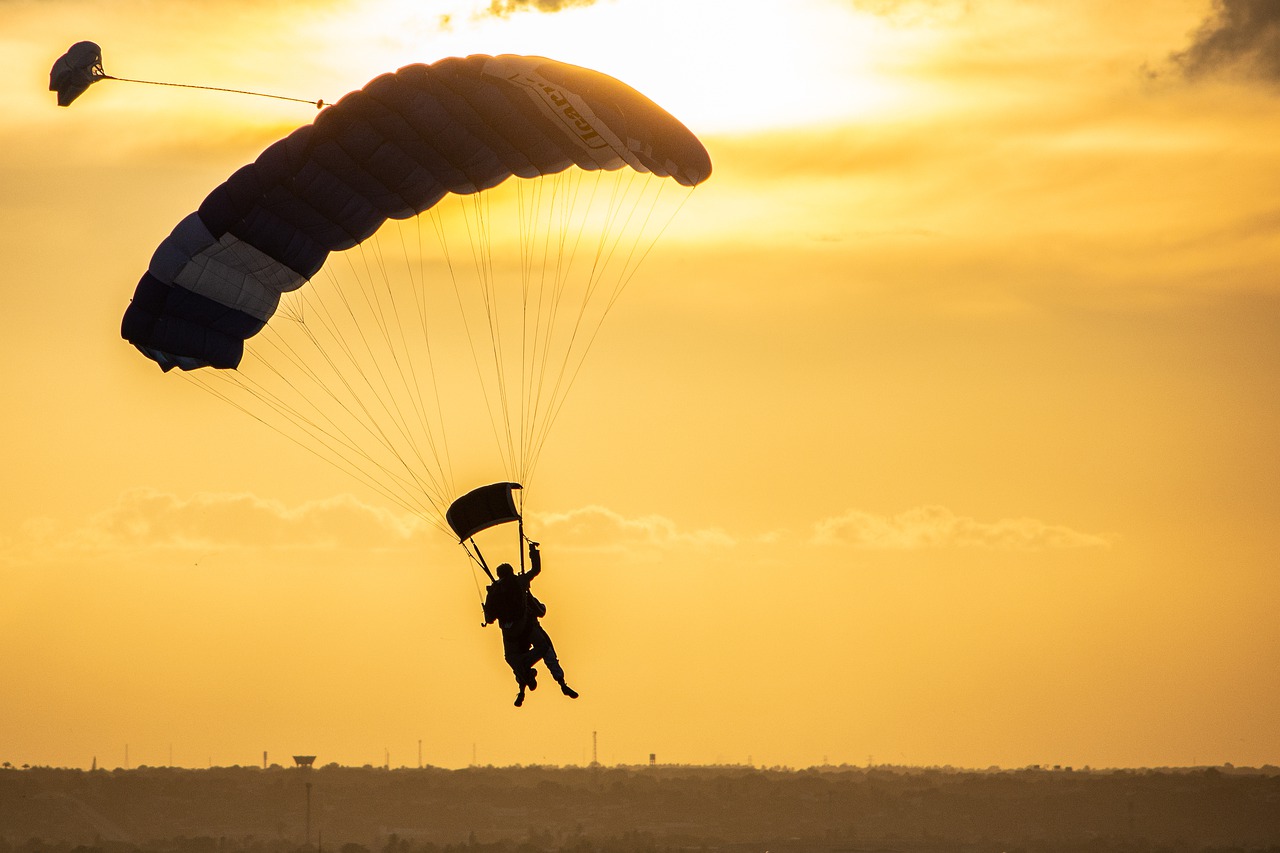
511 604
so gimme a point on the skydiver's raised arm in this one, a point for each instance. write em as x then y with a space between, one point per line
535 561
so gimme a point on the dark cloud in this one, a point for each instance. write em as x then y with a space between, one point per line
503 8
1240 37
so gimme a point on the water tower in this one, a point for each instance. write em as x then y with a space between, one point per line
304 762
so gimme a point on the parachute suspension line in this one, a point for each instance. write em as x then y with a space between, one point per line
528 224
317 425
636 258
383 304
437 215
482 248
406 364
434 215
520 537
358 408
478 560
337 460
382 367
318 104
565 240
419 288
531 228
415 386
403 477
545 236
386 398
437 220
472 213
410 484
473 551
567 251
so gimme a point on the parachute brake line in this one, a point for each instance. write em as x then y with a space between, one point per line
479 558
319 104
520 539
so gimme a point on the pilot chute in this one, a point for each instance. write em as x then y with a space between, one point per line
75 71
81 66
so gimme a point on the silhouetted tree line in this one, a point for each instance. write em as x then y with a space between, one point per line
665 809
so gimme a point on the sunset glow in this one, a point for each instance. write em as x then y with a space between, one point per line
939 426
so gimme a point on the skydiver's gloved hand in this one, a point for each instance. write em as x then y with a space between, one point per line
533 549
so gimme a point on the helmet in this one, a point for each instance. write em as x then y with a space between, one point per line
505 571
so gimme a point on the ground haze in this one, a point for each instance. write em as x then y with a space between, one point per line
621 809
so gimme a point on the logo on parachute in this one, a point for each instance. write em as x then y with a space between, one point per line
556 103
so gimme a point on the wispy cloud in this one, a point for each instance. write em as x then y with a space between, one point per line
933 527
503 8
151 519
1242 36
595 528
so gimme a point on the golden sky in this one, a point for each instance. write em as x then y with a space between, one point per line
940 428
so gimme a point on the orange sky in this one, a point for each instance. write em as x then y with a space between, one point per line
939 429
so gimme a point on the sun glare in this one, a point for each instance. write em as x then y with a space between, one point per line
763 65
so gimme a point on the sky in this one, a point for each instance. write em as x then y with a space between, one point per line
938 429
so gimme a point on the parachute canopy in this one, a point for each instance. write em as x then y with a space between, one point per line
75 71
482 508
404 349
391 150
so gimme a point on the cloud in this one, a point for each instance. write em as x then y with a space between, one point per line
151 519
595 528
1242 36
505 8
933 527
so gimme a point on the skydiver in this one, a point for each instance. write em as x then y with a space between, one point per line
512 605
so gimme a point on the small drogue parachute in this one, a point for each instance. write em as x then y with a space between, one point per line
483 508
81 66
318 280
75 71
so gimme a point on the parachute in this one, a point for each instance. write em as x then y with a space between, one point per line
75 71
483 508
311 288
81 66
